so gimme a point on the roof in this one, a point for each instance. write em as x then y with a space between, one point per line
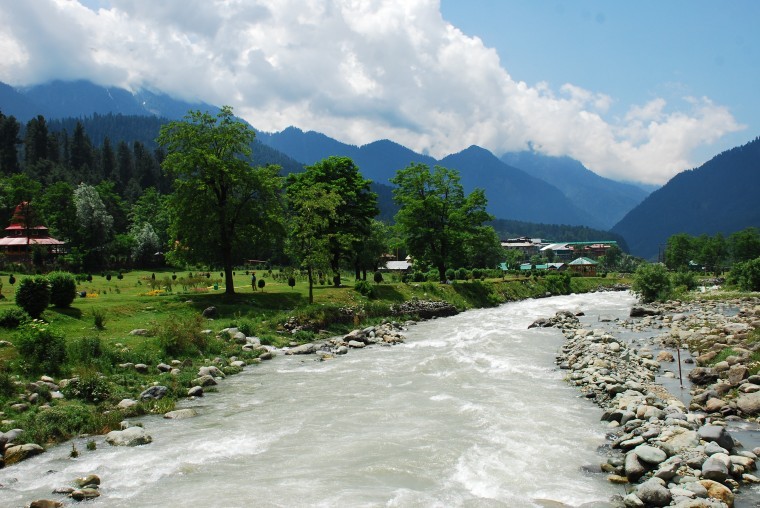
398 265
582 261
15 227
557 246
22 240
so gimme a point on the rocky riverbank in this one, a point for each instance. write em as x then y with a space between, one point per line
665 452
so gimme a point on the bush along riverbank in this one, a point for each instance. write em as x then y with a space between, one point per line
664 451
61 387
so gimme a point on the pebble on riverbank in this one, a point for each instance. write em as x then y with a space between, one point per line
670 455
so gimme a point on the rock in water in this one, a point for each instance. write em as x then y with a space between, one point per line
18 453
133 436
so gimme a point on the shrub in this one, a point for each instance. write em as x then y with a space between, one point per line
85 350
65 421
378 277
13 317
462 274
418 277
651 282
477 273
33 295
63 288
684 279
451 274
178 337
89 387
8 387
261 283
746 275
364 288
98 318
42 350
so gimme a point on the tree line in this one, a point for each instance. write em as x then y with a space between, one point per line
199 196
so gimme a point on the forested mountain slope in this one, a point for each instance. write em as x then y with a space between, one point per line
721 196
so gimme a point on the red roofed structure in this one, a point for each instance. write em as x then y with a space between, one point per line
23 234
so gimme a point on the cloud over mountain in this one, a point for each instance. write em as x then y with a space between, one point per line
356 70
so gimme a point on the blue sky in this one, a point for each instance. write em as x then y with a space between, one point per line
634 51
637 90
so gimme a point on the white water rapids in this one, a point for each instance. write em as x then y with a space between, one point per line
470 411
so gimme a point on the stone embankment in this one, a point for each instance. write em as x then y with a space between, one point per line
665 453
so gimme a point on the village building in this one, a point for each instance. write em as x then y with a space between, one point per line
528 246
573 250
23 236
583 266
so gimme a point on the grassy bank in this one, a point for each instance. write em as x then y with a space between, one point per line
88 350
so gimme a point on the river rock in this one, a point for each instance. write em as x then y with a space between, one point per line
641 311
650 454
749 403
126 403
653 492
718 491
356 344
718 434
139 332
141 368
133 436
154 392
715 469
633 467
210 312
195 391
205 381
90 479
210 370
84 494
181 414
163 367
45 503
303 349
18 453
703 376
736 374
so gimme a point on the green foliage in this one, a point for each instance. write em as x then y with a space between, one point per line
436 219
65 421
177 337
63 288
89 387
365 288
13 317
558 284
462 274
378 277
98 318
684 279
8 387
42 349
451 274
221 207
651 282
33 295
746 275
723 354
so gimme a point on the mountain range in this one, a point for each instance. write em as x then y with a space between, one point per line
521 186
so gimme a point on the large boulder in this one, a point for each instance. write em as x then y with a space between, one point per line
641 311
133 436
715 468
181 414
718 491
653 492
749 403
717 434
703 376
303 349
210 312
154 392
18 453
634 469
650 454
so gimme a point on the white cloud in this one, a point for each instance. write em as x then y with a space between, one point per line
357 70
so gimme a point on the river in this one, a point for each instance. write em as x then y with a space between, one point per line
470 411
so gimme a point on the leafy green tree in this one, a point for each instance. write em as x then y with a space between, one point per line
651 282
95 224
351 225
146 244
744 245
311 210
63 289
712 252
222 209
679 250
612 257
513 258
436 217
58 208
370 251
151 208
484 249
